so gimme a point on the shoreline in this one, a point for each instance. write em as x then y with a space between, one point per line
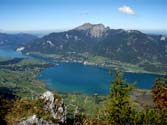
94 64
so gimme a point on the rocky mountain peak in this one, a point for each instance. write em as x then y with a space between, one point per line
85 26
95 30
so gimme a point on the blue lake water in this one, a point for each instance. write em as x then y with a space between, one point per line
75 77
8 53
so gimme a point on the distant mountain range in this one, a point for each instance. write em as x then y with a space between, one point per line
15 40
129 46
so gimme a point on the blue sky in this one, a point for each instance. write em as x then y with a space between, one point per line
29 15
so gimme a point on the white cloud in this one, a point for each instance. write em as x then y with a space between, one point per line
126 9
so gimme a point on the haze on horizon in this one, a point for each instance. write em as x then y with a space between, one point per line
59 15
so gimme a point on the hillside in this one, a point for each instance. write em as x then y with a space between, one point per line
15 40
18 77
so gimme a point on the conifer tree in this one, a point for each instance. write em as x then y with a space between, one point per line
118 105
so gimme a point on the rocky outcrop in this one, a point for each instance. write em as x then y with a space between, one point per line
54 105
94 30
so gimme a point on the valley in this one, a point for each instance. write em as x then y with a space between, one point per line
30 76
95 44
57 76
83 62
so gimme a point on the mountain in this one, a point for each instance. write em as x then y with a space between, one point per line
129 46
15 40
94 31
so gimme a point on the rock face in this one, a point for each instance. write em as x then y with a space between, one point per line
55 106
95 30
52 104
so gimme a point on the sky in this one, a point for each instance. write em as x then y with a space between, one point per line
38 15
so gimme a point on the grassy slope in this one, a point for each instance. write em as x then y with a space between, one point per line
22 81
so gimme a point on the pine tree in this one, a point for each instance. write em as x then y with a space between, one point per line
118 107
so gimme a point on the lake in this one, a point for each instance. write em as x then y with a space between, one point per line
9 53
79 78
75 77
